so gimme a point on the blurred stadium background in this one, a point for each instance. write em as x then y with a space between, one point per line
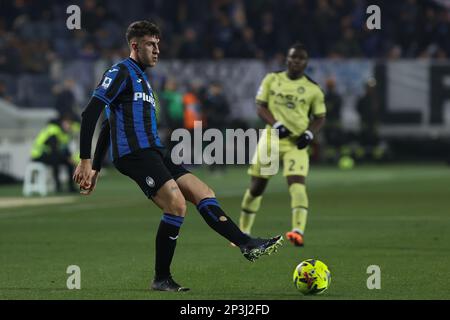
388 99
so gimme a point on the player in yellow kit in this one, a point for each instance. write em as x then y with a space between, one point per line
294 104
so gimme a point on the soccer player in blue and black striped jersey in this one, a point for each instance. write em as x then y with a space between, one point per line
129 101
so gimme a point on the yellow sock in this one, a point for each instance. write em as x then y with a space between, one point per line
250 205
299 217
246 221
299 205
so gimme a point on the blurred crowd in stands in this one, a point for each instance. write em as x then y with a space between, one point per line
35 45
33 32
34 39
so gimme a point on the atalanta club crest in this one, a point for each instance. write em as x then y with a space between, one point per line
150 182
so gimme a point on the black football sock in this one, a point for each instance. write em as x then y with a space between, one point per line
217 219
166 241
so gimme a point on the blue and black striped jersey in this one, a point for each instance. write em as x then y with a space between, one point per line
130 108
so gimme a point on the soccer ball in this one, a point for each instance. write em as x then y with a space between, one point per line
312 277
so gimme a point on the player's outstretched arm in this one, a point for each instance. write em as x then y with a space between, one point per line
317 123
82 172
313 129
265 114
102 146
88 122
89 187
100 151
111 85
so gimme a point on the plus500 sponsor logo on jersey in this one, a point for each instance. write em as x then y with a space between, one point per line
143 96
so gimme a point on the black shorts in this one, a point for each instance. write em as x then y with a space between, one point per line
150 168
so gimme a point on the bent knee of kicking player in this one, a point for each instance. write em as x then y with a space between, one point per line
170 199
194 189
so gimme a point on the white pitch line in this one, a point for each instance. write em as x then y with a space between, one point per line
27 202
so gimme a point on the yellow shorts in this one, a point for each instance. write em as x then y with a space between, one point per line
295 162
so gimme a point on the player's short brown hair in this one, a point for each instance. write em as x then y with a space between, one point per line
142 28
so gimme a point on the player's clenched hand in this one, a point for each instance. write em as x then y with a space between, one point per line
283 132
305 139
82 173
87 189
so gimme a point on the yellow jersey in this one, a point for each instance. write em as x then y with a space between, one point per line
291 102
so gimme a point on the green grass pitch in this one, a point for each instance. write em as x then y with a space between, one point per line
396 217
